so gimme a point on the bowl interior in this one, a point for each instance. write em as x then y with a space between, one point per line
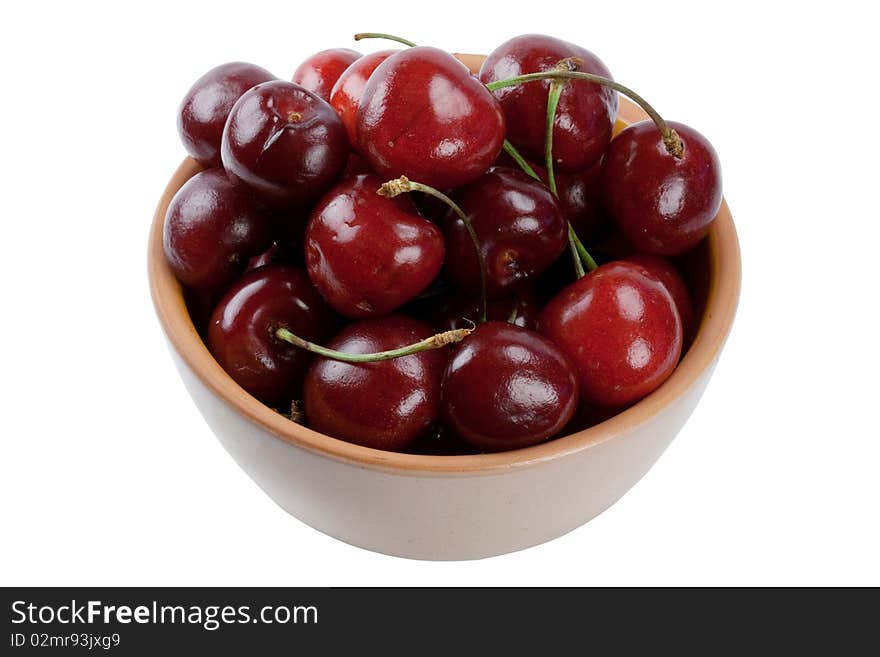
712 272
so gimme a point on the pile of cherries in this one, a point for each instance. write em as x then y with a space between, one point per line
393 251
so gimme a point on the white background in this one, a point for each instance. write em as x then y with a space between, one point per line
108 475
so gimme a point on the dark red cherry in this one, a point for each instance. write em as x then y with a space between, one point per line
386 404
346 93
424 116
320 72
664 271
506 387
212 227
284 142
518 223
274 255
206 106
241 333
621 330
586 112
368 254
662 203
580 197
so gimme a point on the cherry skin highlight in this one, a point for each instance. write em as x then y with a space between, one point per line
519 226
284 142
320 72
663 204
345 97
424 116
621 330
586 112
506 387
386 404
206 106
368 254
212 228
241 332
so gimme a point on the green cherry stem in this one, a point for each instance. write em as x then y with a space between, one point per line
517 157
403 185
671 139
379 35
434 342
579 254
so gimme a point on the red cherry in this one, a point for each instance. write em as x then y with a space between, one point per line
368 254
580 197
212 227
665 272
320 72
424 116
506 387
620 327
586 112
241 333
663 204
518 223
285 142
384 405
206 106
346 93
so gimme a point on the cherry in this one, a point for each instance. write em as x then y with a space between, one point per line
346 93
384 405
285 142
212 227
665 204
368 254
320 72
241 333
518 224
424 116
274 255
665 272
586 111
580 197
506 387
204 109
620 327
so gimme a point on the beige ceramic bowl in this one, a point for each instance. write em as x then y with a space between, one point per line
449 507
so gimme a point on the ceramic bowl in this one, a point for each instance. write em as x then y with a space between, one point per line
449 507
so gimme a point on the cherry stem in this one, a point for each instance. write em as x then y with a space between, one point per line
671 139
579 254
379 35
403 185
514 312
510 149
434 342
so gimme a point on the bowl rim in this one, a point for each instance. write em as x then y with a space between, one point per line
721 302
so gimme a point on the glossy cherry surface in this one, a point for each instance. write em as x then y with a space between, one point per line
506 387
665 272
663 204
212 228
320 72
386 404
345 97
285 142
368 254
621 330
241 333
586 112
519 226
423 115
204 109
